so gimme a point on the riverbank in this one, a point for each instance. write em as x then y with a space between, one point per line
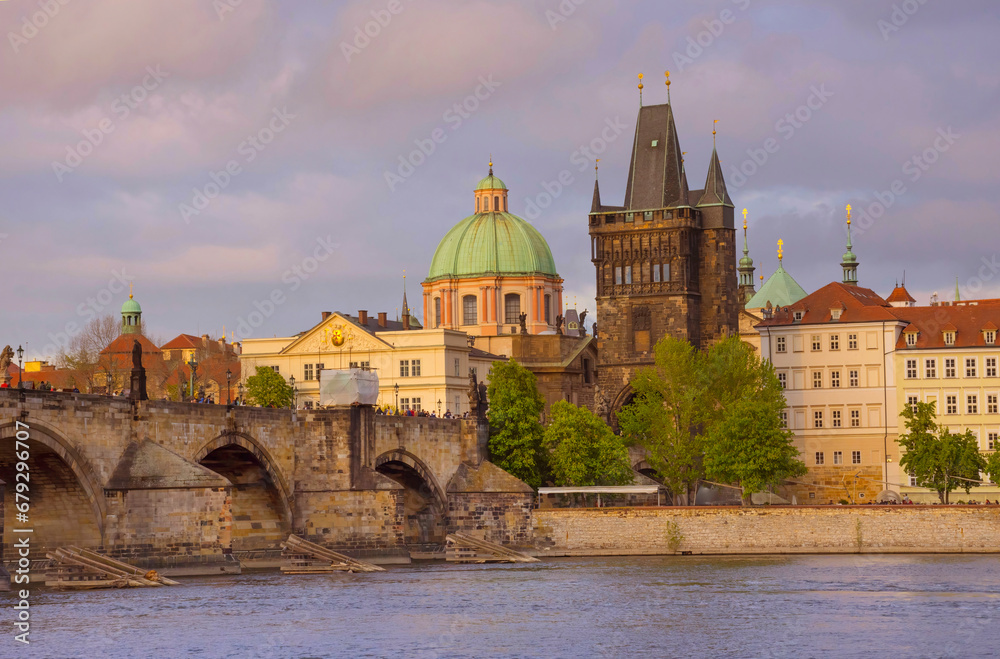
767 530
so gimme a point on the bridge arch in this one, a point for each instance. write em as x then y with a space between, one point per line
74 462
231 454
425 505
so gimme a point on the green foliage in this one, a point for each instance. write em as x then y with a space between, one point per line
267 388
715 414
668 404
515 410
939 459
674 536
583 450
993 466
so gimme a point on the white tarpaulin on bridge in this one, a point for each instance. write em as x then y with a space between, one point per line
348 387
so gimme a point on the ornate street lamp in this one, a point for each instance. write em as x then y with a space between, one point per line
395 388
239 391
194 369
20 355
107 382
439 407
229 378
291 381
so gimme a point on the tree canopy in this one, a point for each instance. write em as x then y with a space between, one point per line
714 414
938 458
583 450
515 410
267 388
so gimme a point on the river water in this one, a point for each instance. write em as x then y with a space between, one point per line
685 606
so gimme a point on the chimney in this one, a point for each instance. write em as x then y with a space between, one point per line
381 319
204 340
363 317
326 314
406 321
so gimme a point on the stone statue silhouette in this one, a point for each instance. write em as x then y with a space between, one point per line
523 319
594 329
473 391
559 324
136 354
6 357
583 323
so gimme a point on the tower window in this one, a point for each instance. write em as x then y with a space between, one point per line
666 272
486 204
618 274
512 308
548 309
628 274
437 312
469 310
656 272
496 203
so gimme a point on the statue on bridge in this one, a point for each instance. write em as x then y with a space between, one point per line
523 320
478 403
137 390
583 323
6 357
136 354
559 324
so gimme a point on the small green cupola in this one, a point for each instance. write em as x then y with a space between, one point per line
131 315
850 261
491 194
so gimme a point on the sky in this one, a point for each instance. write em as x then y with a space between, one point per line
248 164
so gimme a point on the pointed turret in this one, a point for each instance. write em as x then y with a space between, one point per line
715 185
850 262
654 176
746 268
595 205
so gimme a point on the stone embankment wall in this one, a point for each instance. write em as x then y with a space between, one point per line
768 530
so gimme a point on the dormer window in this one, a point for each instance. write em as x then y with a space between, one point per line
949 338
798 316
911 339
835 313
990 337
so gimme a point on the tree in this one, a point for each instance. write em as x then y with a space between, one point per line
267 388
669 401
993 466
83 354
515 407
938 458
748 446
583 450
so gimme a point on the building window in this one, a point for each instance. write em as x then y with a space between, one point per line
780 344
364 366
784 419
836 418
949 338
855 418
797 315
404 404
818 419
628 274
990 337
911 339
835 379
838 457
991 367
855 457
307 372
817 345
548 309
992 438
819 457
512 308
458 367
618 275
437 312
911 369
783 380
817 379
834 342
949 368
913 480
666 272
991 403
951 403
469 304
852 341
404 368
912 402
855 380
415 404
930 368
970 367
415 368
276 369
656 272
972 404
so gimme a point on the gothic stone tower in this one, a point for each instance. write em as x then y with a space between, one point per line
665 261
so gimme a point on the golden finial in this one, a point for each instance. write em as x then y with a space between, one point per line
683 153
744 218
668 86
848 214
130 290
491 164
713 132
596 163
781 244
762 279
640 90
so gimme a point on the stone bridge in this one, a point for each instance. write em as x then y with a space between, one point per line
185 485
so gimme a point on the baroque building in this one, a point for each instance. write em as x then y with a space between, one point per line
665 260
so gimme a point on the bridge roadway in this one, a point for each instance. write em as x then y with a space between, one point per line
185 485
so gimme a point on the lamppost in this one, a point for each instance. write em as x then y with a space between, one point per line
395 388
291 381
194 368
107 382
439 407
239 392
20 355
229 378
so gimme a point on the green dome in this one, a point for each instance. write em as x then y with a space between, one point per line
491 183
780 290
131 306
494 244
849 257
746 262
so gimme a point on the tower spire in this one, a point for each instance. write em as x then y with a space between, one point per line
640 90
746 268
668 86
850 262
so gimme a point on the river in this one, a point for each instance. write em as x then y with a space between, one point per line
684 606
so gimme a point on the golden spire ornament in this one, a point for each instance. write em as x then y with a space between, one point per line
713 132
744 219
130 290
596 164
667 74
781 252
640 90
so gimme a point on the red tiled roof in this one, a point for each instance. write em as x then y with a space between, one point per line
857 304
900 294
967 322
123 344
182 341
990 326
